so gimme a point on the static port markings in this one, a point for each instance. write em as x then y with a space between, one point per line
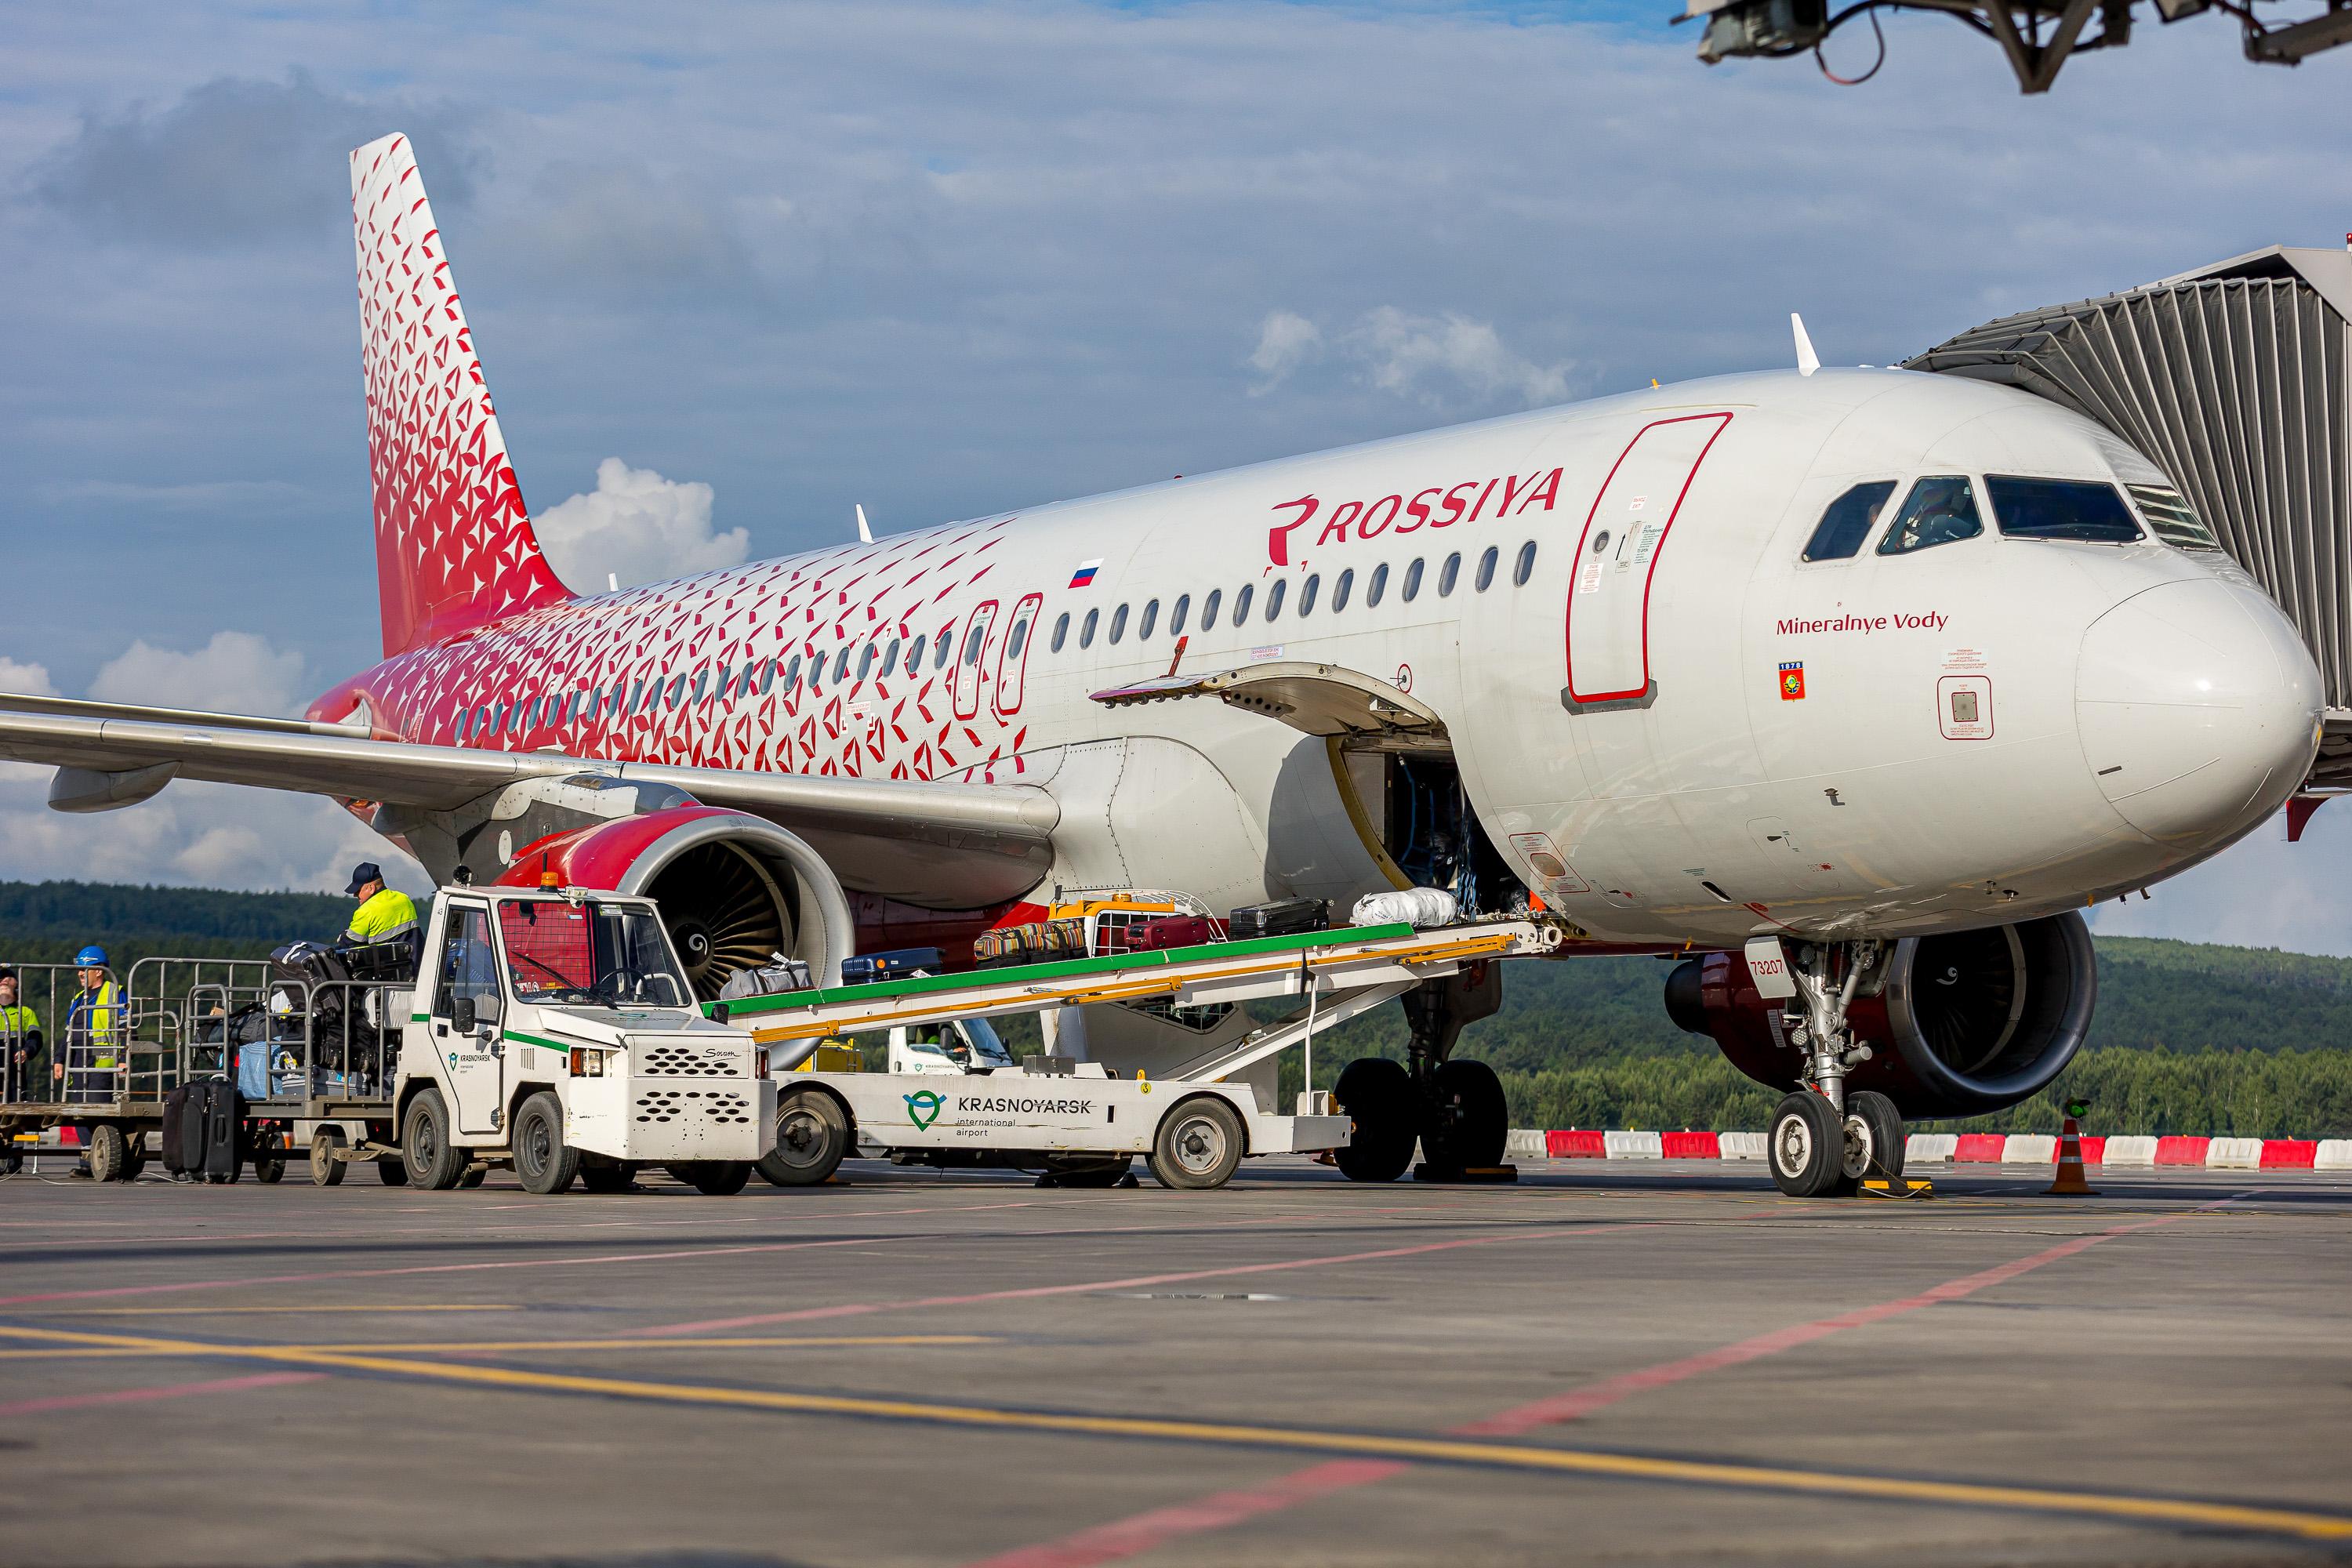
2181 1513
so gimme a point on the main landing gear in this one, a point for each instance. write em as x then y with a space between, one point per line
1824 1142
1453 1109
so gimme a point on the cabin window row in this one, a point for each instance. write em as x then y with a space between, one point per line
1277 592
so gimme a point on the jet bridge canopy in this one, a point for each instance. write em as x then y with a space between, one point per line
2232 379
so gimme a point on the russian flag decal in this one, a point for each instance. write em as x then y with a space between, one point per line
1084 575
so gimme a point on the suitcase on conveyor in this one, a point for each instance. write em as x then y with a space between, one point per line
1283 917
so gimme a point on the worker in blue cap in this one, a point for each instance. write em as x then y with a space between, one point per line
385 914
91 1044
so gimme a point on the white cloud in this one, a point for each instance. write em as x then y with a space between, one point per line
638 526
26 679
1431 358
1285 342
236 672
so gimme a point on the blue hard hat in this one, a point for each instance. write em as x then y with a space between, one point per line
90 957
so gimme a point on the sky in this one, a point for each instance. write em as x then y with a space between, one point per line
731 271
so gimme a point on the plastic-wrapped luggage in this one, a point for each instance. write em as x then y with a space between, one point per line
1283 917
778 974
1421 908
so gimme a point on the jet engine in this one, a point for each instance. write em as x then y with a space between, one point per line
1959 1024
734 889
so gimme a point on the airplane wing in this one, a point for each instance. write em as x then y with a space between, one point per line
108 756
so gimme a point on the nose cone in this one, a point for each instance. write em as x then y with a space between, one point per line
2198 708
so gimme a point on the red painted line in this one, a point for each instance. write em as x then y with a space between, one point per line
1142 1533
1029 1292
165 1391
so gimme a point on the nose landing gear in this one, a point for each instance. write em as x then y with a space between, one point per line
1825 1141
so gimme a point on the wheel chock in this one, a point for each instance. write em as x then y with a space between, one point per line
1900 1187
1425 1171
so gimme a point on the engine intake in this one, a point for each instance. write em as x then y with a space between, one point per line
1968 1022
733 888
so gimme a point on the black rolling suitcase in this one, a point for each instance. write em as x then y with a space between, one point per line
183 1108
211 1142
1284 917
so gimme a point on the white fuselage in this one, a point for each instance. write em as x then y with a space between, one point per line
1984 730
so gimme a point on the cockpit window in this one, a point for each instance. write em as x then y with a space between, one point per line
1940 510
2174 519
1848 521
2085 510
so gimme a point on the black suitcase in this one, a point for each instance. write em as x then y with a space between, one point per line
177 1115
220 1131
1284 917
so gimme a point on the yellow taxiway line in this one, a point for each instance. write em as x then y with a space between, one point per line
1223 1433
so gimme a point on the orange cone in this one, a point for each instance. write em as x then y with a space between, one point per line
2070 1182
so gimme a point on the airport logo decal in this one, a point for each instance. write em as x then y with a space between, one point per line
923 1108
1793 681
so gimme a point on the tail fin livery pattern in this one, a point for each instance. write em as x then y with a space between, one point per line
454 545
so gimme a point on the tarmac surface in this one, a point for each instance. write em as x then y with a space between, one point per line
1654 1363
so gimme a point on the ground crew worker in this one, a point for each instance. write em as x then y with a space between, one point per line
385 914
93 1018
20 1041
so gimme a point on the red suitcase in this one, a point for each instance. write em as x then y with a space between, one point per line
1175 930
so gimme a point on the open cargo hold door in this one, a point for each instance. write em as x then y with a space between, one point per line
1362 711
1392 759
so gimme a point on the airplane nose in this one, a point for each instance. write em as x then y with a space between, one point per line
2198 708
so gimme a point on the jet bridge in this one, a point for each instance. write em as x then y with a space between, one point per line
2232 379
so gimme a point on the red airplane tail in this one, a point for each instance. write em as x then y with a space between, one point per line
454 546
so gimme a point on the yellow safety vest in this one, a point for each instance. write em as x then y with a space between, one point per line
18 1021
93 1017
387 917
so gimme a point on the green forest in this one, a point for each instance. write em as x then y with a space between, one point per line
2189 1037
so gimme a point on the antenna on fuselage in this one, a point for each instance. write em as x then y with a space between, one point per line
865 534
1808 361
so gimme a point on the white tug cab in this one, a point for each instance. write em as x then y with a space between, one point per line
554 1030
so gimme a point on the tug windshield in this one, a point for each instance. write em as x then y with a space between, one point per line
605 954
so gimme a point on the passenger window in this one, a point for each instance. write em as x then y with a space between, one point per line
1339 589
2171 517
1241 604
1448 572
1117 624
767 675
943 644
1176 616
1848 521
1940 510
1306 597
1412 581
1273 599
792 673
1151 619
465 725
676 690
1486 568
1526 567
1377 586
865 662
2082 511
1020 638
1061 632
1086 632
702 683
971 643
1209 609
890 659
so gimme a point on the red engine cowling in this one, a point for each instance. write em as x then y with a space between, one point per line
1967 1023
734 889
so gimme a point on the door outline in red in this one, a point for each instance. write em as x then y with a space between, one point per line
1024 613
967 692
1639 694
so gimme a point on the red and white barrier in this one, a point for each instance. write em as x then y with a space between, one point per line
2120 1151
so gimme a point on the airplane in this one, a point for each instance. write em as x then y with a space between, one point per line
1849 689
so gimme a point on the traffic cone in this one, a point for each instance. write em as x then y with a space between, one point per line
2070 1182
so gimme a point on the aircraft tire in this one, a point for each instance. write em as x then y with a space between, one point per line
1377 1094
1473 1115
1807 1146
1873 1137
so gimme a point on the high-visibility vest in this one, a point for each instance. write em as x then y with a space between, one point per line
16 1022
92 1021
387 917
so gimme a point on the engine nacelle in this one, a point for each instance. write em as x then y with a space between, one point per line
734 889
1965 1023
